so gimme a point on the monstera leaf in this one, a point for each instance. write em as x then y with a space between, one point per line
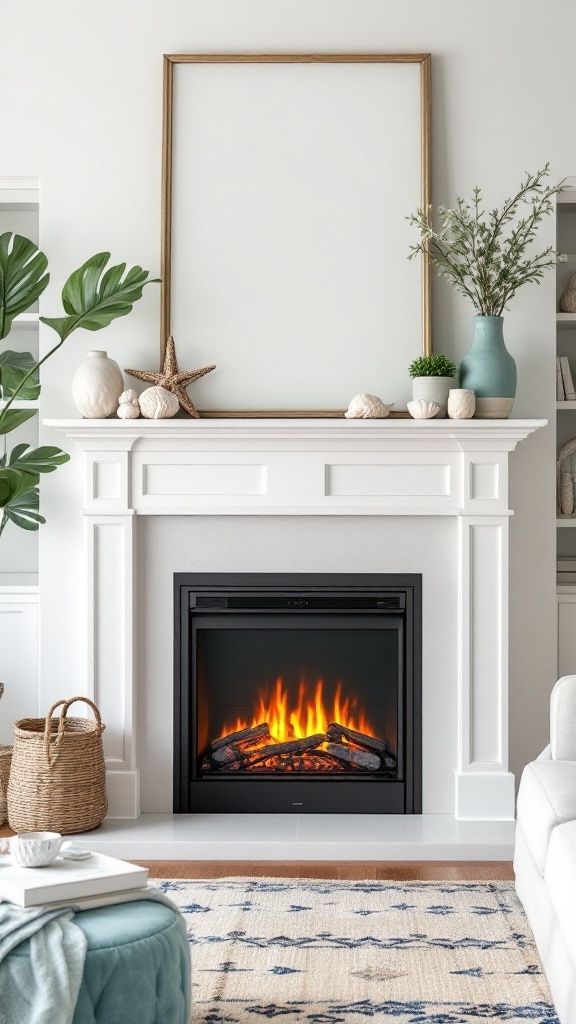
22 277
19 476
14 368
19 499
93 299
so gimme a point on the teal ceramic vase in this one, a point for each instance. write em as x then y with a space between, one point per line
489 369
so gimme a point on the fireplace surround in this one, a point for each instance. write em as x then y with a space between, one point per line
402 469
297 693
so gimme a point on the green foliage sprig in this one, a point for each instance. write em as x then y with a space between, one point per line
435 365
92 298
484 254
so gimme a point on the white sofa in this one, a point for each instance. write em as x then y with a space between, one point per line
545 852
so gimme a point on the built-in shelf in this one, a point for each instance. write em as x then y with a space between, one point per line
19 193
566 521
20 403
565 405
566 321
26 320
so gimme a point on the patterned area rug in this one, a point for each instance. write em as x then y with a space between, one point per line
302 951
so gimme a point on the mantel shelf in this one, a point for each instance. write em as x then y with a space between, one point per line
127 432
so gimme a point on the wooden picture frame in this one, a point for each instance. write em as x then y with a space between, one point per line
181 180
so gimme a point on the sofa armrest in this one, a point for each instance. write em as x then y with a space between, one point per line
545 755
563 720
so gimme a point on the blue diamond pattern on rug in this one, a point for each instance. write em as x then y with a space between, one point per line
303 951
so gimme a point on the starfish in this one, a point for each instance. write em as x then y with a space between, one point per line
170 377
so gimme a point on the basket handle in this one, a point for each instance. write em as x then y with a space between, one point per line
61 722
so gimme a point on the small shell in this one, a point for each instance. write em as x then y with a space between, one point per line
158 404
128 398
367 407
420 409
128 411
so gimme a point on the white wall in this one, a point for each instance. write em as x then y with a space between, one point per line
82 109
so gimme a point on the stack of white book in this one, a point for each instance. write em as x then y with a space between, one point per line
566 571
94 882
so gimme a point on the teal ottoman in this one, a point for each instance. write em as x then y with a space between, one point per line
137 968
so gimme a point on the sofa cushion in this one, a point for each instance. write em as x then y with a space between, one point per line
546 799
559 876
563 719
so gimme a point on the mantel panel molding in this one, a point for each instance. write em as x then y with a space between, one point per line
305 467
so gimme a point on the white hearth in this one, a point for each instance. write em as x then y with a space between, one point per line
251 495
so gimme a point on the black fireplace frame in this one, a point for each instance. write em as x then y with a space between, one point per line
373 593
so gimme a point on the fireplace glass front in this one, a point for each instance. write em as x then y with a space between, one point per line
297 693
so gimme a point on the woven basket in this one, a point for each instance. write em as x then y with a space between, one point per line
5 759
57 780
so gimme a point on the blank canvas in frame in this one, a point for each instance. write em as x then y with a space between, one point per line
290 185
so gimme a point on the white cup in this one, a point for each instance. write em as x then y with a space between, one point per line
34 849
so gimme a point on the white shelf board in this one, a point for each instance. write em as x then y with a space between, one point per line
562 406
566 321
566 521
26 320
19 192
21 403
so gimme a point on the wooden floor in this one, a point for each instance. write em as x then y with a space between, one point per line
399 871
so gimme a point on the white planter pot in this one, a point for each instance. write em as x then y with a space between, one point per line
433 389
97 386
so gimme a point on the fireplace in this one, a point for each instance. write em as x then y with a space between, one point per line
297 693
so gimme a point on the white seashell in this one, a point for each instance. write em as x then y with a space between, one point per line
97 386
128 398
420 409
367 407
158 404
128 411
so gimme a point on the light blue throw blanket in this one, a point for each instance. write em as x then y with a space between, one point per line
32 989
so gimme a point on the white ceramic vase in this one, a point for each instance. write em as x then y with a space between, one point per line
97 386
433 389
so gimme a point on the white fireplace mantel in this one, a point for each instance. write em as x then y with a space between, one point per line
302 467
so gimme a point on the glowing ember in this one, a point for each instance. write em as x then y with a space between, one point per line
310 716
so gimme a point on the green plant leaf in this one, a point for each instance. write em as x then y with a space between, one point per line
12 418
23 277
93 299
435 365
14 366
19 499
38 460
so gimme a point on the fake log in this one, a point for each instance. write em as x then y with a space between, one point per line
258 732
359 758
338 732
290 747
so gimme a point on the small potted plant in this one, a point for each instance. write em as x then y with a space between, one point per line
432 377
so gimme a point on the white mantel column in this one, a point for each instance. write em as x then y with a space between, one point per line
484 786
109 525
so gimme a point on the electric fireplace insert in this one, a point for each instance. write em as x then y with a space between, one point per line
297 693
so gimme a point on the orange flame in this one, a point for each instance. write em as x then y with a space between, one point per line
310 716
